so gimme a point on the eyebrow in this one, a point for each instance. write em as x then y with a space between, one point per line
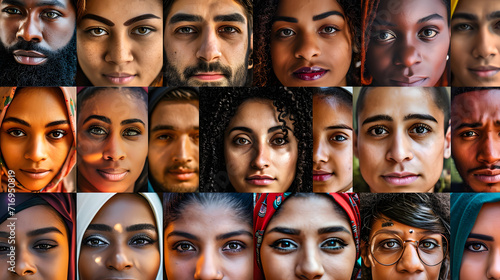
233 234
41 231
99 227
332 229
327 14
420 117
464 16
138 227
139 18
16 120
129 121
287 19
339 126
98 18
230 17
183 234
493 15
248 130
185 17
377 118
169 127
284 230
474 125
481 236
39 4
97 117
430 17
56 123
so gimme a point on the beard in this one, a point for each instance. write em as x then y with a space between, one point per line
58 70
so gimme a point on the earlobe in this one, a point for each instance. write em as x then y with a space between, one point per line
447 142
250 59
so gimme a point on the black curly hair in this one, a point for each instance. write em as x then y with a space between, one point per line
264 11
217 108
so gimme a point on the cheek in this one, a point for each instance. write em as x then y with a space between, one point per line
90 55
150 262
58 34
378 59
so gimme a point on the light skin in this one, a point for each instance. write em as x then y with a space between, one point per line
311 43
409 43
208 242
41 248
121 242
308 239
48 24
475 44
481 253
212 32
401 140
35 142
174 145
258 156
121 45
475 121
332 148
112 141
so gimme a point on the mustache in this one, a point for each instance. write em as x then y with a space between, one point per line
29 46
203 66
182 165
484 167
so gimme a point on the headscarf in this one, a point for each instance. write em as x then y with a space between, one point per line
267 205
58 184
464 210
453 6
89 204
63 204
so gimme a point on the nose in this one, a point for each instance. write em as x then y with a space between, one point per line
113 148
400 149
207 266
489 149
309 265
307 48
320 152
184 149
25 264
262 157
493 269
119 49
484 45
209 49
118 259
410 262
30 29
38 149
407 56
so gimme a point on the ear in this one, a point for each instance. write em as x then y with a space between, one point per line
447 141
250 59
355 143
365 255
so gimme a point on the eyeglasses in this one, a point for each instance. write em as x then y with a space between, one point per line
387 249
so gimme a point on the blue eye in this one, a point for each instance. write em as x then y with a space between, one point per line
385 36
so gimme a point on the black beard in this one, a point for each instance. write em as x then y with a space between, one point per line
58 70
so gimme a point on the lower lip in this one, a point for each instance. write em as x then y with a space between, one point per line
209 77
114 177
414 84
120 80
29 60
183 176
310 76
260 182
400 181
39 175
485 74
488 179
322 177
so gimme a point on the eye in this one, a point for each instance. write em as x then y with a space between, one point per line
428 244
338 138
469 134
385 36
333 244
420 129
141 240
279 141
329 30
183 247
285 32
476 247
97 32
390 244
233 247
97 131
44 246
95 241
57 134
165 137
378 131
428 33
241 141
142 30
185 30
284 245
130 132
228 30
16 133
12 11
51 14
463 27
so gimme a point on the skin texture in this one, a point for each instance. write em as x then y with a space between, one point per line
308 254
113 51
214 51
34 139
475 44
332 149
409 266
208 242
174 145
300 41
481 253
111 147
121 252
475 121
404 154
254 145
405 52
40 256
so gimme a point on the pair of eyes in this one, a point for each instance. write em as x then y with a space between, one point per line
140 30
138 240
419 129
48 14
233 246
463 27
41 246
394 244
171 137
228 30
288 32
99 131
54 134
277 140
288 245
386 36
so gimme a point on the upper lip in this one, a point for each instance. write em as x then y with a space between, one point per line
181 170
113 170
28 53
484 68
119 75
208 73
321 172
487 171
35 170
408 80
306 69
399 174
260 177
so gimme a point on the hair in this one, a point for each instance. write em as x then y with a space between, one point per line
219 107
179 94
420 210
265 11
341 95
459 90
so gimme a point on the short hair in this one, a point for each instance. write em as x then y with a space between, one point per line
341 95
459 90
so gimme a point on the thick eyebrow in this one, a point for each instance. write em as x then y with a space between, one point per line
233 234
38 4
16 120
284 230
183 234
420 117
99 227
98 18
430 17
41 231
138 227
185 17
287 19
97 117
377 118
474 125
481 236
339 126
139 18
278 127
129 121
242 128
231 17
327 14
332 229
169 127
56 123
493 15
464 16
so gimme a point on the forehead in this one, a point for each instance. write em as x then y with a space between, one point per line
207 9
480 8
124 209
410 11
114 104
176 113
36 217
307 8
331 103
259 112
37 3
110 9
476 105
35 102
489 212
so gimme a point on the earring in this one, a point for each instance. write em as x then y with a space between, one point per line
447 57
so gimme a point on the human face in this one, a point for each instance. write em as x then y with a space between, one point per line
49 25
174 145
258 156
208 242
409 265
35 141
112 141
206 43
121 45
409 43
401 141
121 242
332 149
475 44
475 122
308 239
311 43
482 248
41 248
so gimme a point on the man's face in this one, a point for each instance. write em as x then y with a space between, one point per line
174 146
475 122
206 43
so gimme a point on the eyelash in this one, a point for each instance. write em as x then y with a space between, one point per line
290 245
99 131
392 36
177 247
341 244
334 138
102 242
420 125
371 131
20 133
469 244
240 247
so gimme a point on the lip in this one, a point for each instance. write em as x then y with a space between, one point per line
29 57
413 81
209 76
488 176
35 173
182 174
113 174
400 178
119 78
484 71
260 180
321 175
310 73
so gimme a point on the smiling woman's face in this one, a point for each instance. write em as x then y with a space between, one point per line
311 43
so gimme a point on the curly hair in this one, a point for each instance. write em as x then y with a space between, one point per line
217 108
264 12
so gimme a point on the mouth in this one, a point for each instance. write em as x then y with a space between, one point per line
484 71
119 78
400 178
209 76
409 82
487 176
29 57
36 173
320 175
182 174
260 180
310 73
113 174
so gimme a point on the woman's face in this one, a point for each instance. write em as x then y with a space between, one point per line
41 247
409 43
121 45
332 149
258 156
121 242
36 136
209 242
311 43
481 259
308 239
112 141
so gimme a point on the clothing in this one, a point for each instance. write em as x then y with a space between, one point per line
89 204
453 6
465 208
59 183
268 203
